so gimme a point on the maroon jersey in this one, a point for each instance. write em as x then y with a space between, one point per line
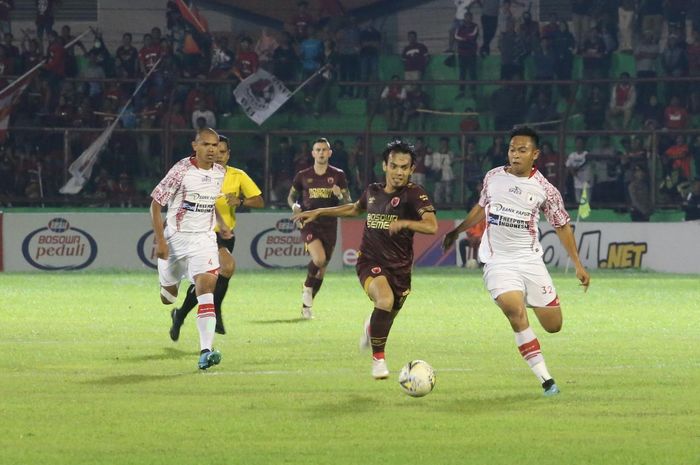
408 203
317 190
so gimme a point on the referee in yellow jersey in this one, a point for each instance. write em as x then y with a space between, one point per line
238 190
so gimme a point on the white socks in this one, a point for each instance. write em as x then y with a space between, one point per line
307 296
529 348
206 320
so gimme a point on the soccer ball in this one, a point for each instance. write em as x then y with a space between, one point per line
472 264
417 378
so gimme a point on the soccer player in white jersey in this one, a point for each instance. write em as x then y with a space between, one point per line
514 273
186 247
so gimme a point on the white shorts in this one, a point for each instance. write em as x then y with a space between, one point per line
531 278
190 254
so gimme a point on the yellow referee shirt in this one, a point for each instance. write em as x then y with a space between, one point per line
236 182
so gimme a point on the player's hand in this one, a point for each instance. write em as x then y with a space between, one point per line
396 227
296 208
583 276
337 191
162 250
225 232
305 217
233 200
449 240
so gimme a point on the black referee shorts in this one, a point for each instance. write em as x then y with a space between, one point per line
228 243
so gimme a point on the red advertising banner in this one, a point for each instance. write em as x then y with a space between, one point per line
427 250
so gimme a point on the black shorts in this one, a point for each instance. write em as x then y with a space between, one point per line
327 234
399 280
227 243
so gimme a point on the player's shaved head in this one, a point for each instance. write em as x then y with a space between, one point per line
203 132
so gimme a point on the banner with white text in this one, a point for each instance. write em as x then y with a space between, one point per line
101 241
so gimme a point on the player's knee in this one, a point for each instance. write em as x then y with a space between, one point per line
320 262
167 297
226 269
553 327
385 302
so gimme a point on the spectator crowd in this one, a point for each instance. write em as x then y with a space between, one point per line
84 86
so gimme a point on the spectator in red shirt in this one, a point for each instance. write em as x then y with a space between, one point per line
675 116
466 36
149 53
470 122
678 157
54 71
415 59
392 98
548 163
622 100
198 93
246 60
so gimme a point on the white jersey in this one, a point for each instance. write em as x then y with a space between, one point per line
190 194
512 205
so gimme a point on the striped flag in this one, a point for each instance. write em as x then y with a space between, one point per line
9 97
192 16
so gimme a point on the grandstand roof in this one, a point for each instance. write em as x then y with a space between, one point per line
283 10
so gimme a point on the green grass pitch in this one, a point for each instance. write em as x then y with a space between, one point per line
88 375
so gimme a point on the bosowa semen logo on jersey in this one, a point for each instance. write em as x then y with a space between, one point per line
279 247
59 246
146 250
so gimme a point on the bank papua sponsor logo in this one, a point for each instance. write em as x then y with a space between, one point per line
59 246
279 247
146 249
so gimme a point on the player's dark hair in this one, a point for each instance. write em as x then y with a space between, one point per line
399 146
224 139
322 139
526 131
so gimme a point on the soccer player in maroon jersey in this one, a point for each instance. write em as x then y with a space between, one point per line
321 185
396 210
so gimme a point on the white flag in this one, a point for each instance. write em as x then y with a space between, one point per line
260 95
81 168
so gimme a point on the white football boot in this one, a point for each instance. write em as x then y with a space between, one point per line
379 368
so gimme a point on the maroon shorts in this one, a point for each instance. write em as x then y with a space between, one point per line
327 234
399 280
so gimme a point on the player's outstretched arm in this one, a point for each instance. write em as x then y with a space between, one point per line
256 201
158 230
474 217
427 225
567 239
292 200
349 209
